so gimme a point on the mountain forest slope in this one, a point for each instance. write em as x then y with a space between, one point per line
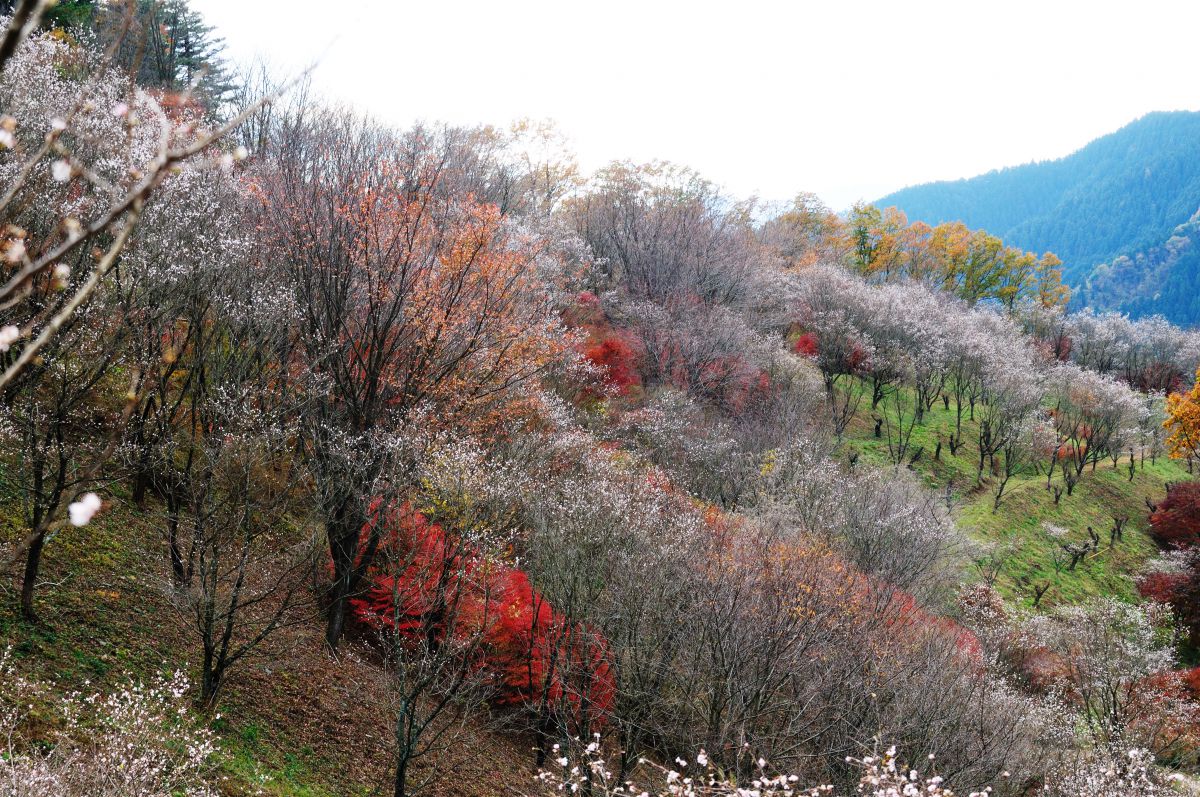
1123 194
1163 279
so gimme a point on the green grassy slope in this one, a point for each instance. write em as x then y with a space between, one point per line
1026 532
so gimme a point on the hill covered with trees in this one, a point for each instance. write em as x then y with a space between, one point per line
1123 195
344 459
1162 279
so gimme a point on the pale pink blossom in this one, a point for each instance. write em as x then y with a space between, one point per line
84 509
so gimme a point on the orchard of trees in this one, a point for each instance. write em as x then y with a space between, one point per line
563 456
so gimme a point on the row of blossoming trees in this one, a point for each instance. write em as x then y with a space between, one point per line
1042 386
538 441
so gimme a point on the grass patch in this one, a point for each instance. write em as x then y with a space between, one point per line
105 618
1024 533
256 767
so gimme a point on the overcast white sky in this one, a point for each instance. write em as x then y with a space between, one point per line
847 99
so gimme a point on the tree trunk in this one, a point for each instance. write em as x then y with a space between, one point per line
210 681
401 778
349 562
545 727
177 569
33 563
336 624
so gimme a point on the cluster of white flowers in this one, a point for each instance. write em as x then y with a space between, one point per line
1103 405
139 739
679 437
1148 352
909 334
9 335
52 86
884 522
1113 773
882 776
1113 664
1175 562
1057 532
82 511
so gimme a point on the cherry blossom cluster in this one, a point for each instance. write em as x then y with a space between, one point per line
1148 353
882 776
139 739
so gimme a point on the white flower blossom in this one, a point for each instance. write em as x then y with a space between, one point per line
83 510
8 336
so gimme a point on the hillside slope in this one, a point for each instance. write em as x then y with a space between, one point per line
1121 193
1020 539
294 722
1164 278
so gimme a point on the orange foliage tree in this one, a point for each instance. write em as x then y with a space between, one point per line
1183 423
408 295
971 263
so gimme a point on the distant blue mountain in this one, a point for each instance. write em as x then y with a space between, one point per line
1124 194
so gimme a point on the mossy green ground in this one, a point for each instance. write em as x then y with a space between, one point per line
105 619
1017 536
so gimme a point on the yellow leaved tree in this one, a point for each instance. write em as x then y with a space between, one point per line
1183 423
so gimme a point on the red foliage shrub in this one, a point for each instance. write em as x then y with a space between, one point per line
1176 521
1163 587
1041 667
427 582
1155 712
733 382
419 567
1175 524
806 345
616 351
1181 591
1191 682
617 355
964 638
1063 348
585 312
902 611
857 359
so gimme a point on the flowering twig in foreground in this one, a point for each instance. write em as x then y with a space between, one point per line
882 776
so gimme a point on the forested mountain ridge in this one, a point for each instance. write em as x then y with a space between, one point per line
1122 193
1163 279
